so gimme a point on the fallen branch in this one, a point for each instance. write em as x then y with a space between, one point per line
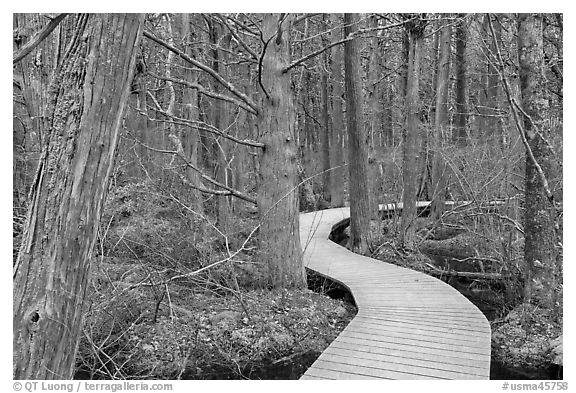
453 273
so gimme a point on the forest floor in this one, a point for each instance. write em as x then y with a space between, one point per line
526 339
142 323
186 332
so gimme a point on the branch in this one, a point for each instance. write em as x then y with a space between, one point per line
179 153
204 127
452 273
202 90
37 39
204 68
237 38
350 37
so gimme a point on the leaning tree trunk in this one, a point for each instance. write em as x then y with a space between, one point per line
87 102
410 149
357 150
539 220
277 189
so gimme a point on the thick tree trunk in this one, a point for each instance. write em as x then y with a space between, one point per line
441 124
88 97
32 75
360 212
461 116
277 192
338 175
410 147
539 220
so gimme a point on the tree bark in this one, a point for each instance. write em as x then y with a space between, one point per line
410 150
539 220
191 137
325 132
493 123
87 100
461 116
338 175
357 148
220 121
374 94
277 192
441 124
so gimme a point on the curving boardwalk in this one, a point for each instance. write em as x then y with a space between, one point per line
409 325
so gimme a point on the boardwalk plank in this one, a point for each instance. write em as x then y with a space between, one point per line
382 362
409 325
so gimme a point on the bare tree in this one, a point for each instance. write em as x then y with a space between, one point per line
338 175
461 116
539 213
357 149
277 198
441 122
415 29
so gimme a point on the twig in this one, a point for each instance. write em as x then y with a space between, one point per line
204 68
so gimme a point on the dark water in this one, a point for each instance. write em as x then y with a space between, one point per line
490 300
292 368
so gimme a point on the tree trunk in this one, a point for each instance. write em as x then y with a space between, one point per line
357 149
325 133
374 94
493 123
441 124
220 121
338 175
32 75
88 97
410 149
191 137
539 220
404 63
277 192
461 115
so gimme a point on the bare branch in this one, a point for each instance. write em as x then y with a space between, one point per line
350 37
179 152
37 39
204 68
202 126
236 37
202 90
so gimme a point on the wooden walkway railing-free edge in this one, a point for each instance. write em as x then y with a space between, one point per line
409 325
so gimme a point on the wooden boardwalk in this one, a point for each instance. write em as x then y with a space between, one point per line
409 325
